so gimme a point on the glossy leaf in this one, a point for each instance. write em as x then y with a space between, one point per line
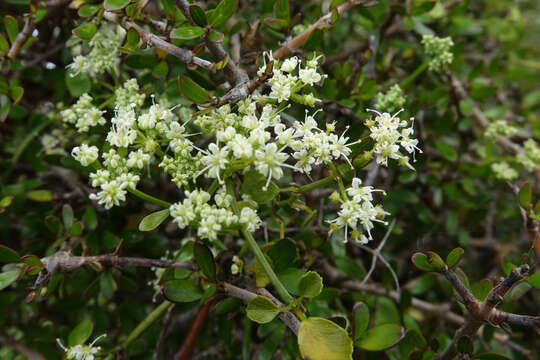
40 195
254 184
261 309
223 12
8 255
310 285
187 32
16 93
198 15
7 278
192 90
153 220
182 290
420 260
381 337
321 339
12 27
205 260
81 332
525 196
454 257
361 319
115 4
85 31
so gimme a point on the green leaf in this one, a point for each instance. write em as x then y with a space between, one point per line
481 289
7 278
6 201
76 229
223 12
77 84
217 36
446 150
525 196
90 218
67 216
39 195
198 15
16 93
310 285
435 261
290 278
350 267
115 4
187 32
153 220
454 257
8 255
534 280
132 41
381 337
85 31
321 339
107 284
205 260
420 260
361 319
262 310
192 90
88 10
12 27
253 186
182 290
422 8
81 333
4 45
282 10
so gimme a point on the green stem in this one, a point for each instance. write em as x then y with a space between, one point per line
314 185
405 83
149 198
283 293
153 316
337 176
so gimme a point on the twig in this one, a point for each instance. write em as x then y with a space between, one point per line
28 353
21 38
154 40
290 46
189 343
287 317
484 312
376 253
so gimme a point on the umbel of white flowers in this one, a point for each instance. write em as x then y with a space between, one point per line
81 352
251 134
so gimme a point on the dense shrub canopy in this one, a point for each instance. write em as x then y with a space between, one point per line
269 179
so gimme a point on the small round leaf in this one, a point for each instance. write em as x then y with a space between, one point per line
321 339
310 284
262 310
153 220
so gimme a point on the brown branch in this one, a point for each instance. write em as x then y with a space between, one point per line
287 317
184 55
484 312
293 44
21 38
186 350
21 348
233 71
63 261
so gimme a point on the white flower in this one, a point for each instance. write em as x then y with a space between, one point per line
269 162
85 154
137 159
309 76
250 219
81 352
100 177
289 64
112 193
241 147
183 213
361 193
215 160
223 199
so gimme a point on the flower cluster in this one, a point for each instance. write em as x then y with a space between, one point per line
390 133
357 213
500 128
103 54
530 157
83 114
503 171
438 51
81 352
390 101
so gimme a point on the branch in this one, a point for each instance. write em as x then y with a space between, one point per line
233 71
293 44
287 317
21 348
21 38
153 40
186 350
